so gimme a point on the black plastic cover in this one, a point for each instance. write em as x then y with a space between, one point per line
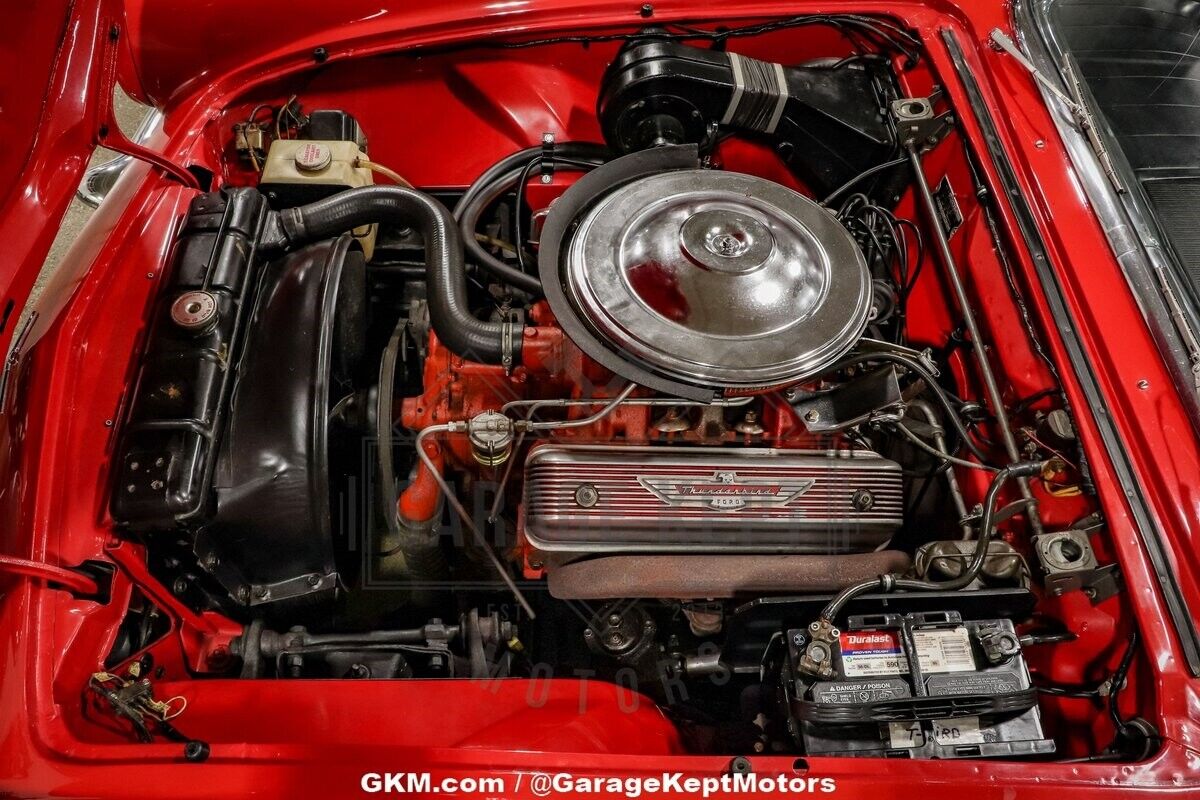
334 125
272 529
165 455
824 120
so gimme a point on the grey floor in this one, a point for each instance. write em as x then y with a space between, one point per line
129 115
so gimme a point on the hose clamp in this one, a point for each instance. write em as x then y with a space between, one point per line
511 327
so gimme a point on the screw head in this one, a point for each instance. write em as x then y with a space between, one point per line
647 10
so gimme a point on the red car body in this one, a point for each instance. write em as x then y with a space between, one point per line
64 385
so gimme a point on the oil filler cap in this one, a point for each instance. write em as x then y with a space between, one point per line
313 156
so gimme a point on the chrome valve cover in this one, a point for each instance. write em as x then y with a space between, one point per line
594 498
718 278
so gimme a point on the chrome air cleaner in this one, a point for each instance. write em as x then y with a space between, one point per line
710 279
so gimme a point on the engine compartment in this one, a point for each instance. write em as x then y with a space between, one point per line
701 406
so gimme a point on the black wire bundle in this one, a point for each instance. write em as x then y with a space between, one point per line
885 239
866 33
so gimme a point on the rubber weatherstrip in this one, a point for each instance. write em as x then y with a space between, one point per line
1151 536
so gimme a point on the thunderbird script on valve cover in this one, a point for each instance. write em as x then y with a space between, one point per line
749 389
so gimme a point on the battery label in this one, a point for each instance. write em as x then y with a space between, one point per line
964 730
944 650
906 735
946 732
867 654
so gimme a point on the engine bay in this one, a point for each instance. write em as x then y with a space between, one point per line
721 388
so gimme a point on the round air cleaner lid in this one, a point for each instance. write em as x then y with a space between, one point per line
718 278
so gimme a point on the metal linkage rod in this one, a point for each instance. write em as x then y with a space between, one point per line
960 293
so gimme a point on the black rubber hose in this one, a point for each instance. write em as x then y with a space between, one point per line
468 220
500 178
446 284
890 583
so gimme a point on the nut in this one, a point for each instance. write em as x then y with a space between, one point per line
586 495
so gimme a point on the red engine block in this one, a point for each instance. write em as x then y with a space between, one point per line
552 367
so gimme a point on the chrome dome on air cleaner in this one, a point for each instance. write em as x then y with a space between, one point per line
718 278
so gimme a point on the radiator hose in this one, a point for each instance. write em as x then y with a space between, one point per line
456 327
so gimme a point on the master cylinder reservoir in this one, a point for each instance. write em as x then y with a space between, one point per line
300 171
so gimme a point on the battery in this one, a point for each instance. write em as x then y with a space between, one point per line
920 685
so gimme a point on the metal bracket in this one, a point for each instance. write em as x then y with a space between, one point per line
1069 563
875 396
917 123
547 160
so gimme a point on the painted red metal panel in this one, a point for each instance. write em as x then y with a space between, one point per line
310 737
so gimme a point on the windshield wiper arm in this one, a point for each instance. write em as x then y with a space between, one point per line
1075 104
